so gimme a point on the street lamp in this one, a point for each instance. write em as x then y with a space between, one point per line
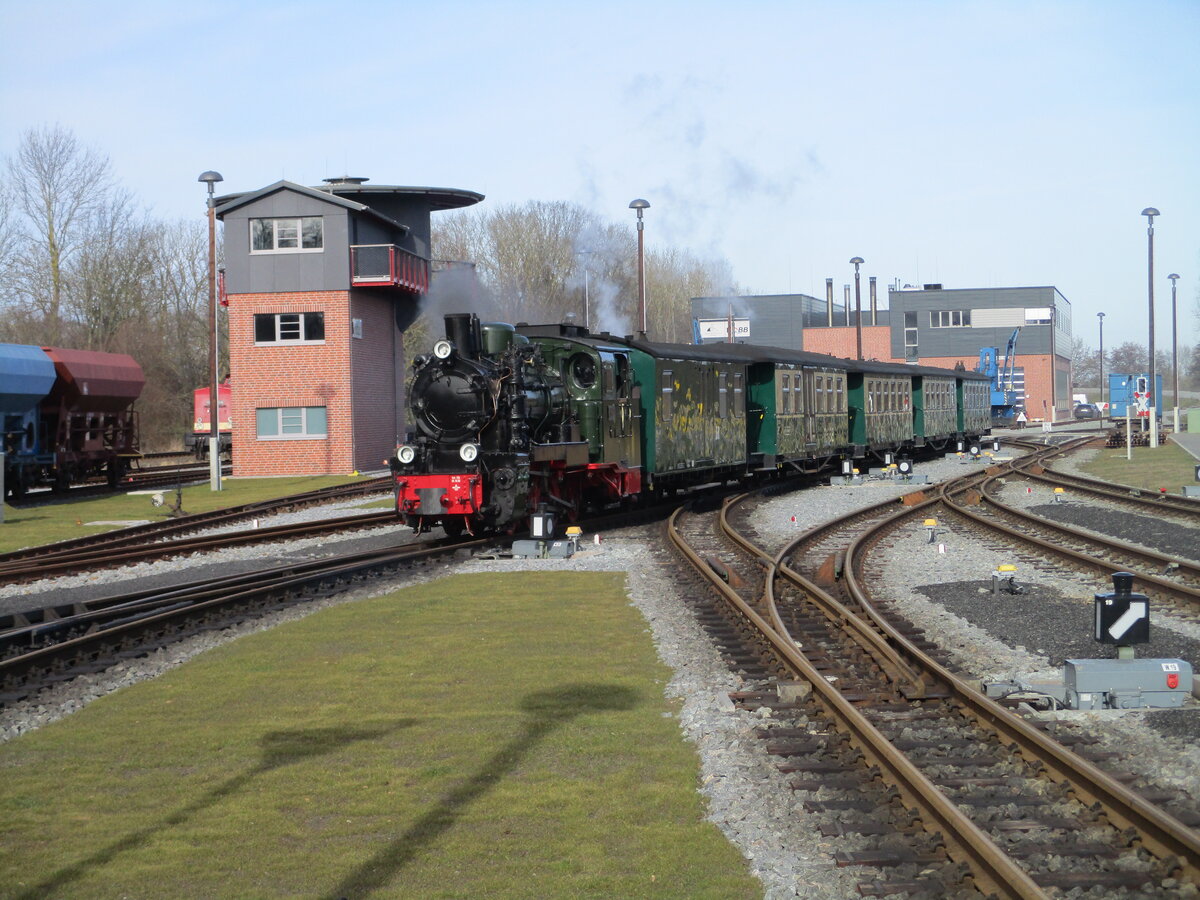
856 262
214 404
1174 352
639 205
1150 212
1100 316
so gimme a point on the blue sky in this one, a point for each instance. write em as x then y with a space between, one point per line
975 144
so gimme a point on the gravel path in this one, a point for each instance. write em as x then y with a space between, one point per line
1023 636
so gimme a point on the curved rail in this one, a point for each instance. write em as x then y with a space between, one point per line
915 674
995 872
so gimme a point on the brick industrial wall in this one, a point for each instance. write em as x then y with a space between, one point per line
289 375
876 342
1039 381
375 359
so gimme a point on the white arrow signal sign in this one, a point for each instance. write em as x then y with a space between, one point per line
1137 611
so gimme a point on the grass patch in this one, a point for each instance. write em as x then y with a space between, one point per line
63 520
1168 466
356 753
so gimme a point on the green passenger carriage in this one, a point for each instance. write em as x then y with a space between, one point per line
881 413
935 408
510 422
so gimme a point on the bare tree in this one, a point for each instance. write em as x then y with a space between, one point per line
1127 359
56 186
110 284
1085 363
546 261
1189 363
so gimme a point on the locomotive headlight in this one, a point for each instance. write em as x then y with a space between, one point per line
468 452
406 454
442 349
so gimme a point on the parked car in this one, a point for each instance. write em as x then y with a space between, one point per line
1087 411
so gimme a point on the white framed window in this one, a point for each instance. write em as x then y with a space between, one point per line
1039 316
290 423
949 318
289 328
299 235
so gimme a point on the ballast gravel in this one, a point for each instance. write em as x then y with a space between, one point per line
940 589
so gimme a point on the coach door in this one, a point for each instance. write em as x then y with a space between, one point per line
811 383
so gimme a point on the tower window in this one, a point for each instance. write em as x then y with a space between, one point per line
289 328
287 235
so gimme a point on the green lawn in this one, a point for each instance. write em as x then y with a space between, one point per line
65 519
1168 466
480 736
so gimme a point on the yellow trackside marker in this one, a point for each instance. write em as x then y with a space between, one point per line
931 523
574 531
1006 568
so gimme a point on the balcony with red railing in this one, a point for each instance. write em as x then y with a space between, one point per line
386 265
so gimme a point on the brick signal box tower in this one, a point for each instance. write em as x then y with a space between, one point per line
320 283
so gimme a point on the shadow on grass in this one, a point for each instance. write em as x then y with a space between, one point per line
547 710
279 748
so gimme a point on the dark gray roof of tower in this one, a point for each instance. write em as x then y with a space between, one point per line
437 197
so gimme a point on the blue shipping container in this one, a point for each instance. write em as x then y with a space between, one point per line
1124 390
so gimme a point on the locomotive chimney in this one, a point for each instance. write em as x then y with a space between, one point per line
462 329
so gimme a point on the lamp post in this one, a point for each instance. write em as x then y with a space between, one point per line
1174 352
856 262
1100 316
214 404
1150 212
639 205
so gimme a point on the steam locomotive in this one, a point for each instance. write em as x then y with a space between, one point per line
511 421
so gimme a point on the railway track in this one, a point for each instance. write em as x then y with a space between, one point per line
156 540
1168 577
91 636
930 781
69 561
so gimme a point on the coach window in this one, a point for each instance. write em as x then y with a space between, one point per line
841 394
667 389
723 395
739 394
300 235
290 423
785 393
289 328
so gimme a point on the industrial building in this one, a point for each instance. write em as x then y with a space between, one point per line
930 325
